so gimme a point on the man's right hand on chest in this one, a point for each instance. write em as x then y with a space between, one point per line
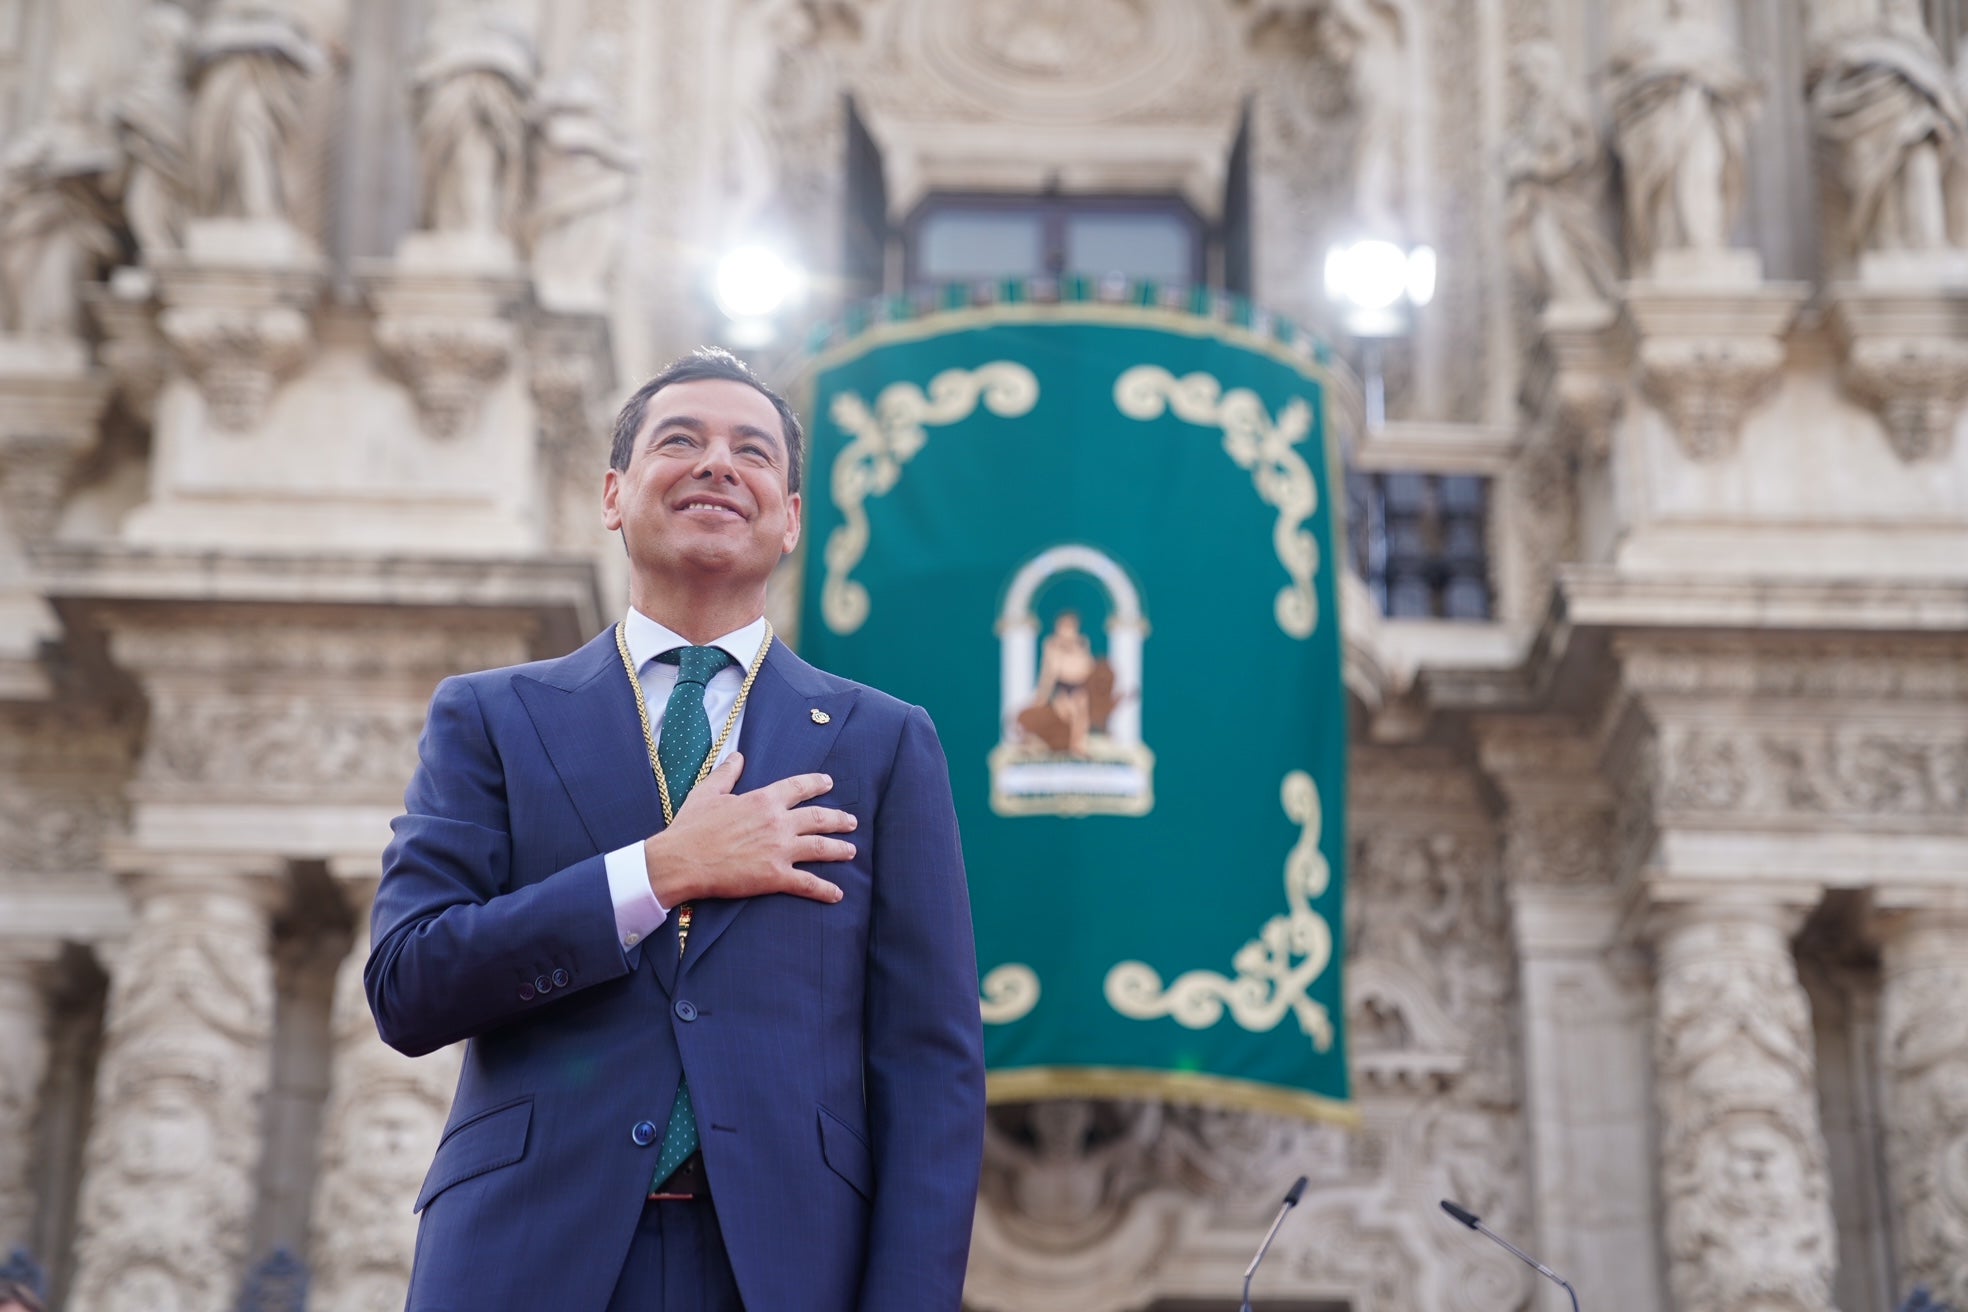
728 845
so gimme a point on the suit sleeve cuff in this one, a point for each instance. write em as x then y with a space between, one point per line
637 912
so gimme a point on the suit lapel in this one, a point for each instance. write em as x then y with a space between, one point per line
585 713
780 737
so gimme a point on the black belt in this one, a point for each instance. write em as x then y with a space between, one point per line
688 1183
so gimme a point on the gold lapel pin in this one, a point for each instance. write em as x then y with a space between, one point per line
819 716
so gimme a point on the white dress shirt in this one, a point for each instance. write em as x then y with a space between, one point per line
637 912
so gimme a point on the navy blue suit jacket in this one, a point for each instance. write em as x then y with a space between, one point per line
834 1052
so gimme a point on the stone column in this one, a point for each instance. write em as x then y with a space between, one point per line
1924 1055
385 1115
23 1068
1745 1188
171 1162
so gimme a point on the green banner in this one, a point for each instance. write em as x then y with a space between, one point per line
1097 543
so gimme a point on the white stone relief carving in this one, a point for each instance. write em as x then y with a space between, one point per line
449 362
173 1148
1706 387
1744 1182
1924 1061
276 745
1849 770
1680 103
238 354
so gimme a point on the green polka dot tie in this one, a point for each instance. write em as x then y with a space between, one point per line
682 745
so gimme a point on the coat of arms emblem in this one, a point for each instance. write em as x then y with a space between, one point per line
1070 713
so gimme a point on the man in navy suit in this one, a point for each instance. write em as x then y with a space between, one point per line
723 1041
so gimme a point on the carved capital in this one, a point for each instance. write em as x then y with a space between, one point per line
448 364
238 354
1706 387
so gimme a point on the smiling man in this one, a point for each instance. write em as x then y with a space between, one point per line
698 911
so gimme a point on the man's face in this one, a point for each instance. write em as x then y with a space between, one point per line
705 493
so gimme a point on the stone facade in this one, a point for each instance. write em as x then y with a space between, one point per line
312 316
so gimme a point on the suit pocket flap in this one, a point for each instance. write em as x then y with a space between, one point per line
847 1152
485 1143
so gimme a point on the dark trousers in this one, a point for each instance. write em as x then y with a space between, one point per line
677 1263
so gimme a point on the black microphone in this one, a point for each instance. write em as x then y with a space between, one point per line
1469 1219
1292 1195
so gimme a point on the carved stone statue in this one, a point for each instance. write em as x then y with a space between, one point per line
1367 34
1882 100
1681 105
1556 172
470 93
254 63
55 230
151 118
583 171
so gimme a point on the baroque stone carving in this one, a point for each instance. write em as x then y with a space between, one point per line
254 64
1924 1056
152 118
1706 387
1883 102
238 354
448 362
55 231
274 745
1825 770
1744 1182
1555 169
171 1160
1680 104
584 172
469 93
384 1118
1917 387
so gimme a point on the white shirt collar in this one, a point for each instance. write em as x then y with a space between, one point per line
648 639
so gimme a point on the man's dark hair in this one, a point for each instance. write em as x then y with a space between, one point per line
704 362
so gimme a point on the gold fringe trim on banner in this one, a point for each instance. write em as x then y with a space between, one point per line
1034 1084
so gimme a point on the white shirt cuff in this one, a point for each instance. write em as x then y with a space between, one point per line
637 912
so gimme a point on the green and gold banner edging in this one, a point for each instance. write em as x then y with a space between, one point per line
882 438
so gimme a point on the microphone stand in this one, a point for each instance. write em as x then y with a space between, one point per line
1292 1196
1470 1219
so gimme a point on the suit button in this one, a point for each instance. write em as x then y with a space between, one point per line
643 1134
543 985
685 1009
526 993
560 979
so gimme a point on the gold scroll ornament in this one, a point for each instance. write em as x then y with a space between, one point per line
1274 970
1282 477
884 440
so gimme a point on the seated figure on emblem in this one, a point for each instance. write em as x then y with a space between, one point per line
1076 690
